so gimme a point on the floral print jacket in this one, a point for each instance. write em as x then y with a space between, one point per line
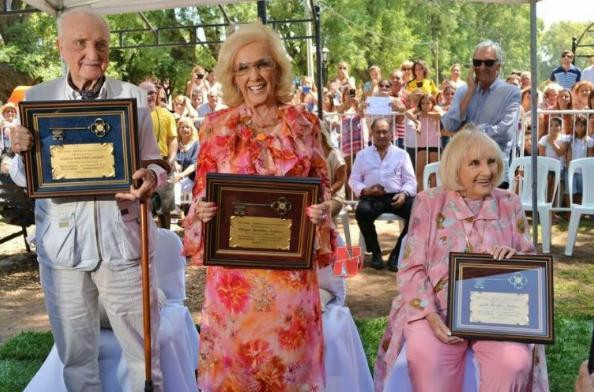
442 222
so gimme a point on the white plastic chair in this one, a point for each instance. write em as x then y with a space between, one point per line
544 166
343 217
430 168
586 166
387 216
178 338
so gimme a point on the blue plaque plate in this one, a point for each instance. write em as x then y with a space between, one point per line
501 300
80 147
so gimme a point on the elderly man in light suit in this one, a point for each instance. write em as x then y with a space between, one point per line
88 247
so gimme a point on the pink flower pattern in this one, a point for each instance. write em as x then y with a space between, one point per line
261 329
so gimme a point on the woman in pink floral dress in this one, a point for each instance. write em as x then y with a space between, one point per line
261 329
467 214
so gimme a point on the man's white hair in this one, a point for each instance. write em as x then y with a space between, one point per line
493 45
79 11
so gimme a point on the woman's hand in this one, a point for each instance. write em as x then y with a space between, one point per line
177 177
204 210
318 212
501 252
440 330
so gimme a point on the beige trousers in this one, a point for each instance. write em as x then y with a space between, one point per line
71 298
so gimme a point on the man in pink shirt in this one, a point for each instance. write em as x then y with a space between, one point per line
384 180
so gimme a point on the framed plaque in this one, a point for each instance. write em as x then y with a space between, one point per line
261 221
509 300
80 147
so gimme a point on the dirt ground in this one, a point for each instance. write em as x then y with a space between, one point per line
369 294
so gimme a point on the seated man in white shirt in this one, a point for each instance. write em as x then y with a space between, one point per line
384 180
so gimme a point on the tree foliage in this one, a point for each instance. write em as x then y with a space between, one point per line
360 32
558 38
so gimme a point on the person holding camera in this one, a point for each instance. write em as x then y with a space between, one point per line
307 94
198 82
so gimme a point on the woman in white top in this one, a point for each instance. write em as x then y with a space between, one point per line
579 145
551 145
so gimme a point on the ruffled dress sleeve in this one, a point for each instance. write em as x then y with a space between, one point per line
325 232
206 163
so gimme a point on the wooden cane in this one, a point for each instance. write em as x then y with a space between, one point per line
146 295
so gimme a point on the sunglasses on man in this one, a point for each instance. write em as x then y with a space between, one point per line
488 62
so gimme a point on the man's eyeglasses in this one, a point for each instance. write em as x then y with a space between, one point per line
200 76
266 64
385 85
151 92
488 62
407 68
567 56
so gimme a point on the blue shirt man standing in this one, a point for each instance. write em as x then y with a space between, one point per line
487 101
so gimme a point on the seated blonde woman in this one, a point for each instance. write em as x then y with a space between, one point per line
468 214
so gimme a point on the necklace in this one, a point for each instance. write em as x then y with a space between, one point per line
474 206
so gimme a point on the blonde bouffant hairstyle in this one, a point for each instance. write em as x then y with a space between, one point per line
245 35
470 142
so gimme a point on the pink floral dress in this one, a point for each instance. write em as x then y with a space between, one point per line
442 222
261 329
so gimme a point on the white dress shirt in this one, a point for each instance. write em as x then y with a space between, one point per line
395 172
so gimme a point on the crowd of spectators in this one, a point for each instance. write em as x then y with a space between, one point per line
416 106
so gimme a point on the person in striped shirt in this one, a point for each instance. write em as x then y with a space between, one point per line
566 74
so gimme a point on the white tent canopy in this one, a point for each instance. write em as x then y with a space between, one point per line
109 7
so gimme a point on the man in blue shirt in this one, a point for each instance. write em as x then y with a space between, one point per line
566 74
487 101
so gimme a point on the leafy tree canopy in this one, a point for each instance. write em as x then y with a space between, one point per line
360 32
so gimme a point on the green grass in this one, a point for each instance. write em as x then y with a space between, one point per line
371 332
571 348
21 356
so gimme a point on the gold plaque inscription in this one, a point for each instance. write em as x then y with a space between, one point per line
260 232
82 161
499 308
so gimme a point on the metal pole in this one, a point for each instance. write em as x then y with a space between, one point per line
262 11
308 42
316 16
534 117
